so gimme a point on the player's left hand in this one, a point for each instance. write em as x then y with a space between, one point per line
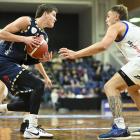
67 53
47 57
48 82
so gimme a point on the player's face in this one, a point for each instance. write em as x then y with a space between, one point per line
50 19
112 17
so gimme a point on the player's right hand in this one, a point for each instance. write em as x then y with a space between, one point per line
67 53
32 41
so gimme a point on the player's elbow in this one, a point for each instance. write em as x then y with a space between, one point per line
104 46
3 34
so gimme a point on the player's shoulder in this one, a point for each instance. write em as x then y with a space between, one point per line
24 18
23 21
118 26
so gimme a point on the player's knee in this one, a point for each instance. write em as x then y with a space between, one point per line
108 86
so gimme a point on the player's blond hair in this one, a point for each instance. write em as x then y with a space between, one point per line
121 10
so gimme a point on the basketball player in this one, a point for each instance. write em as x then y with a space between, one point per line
126 36
19 81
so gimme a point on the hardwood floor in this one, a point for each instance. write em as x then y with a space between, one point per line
76 125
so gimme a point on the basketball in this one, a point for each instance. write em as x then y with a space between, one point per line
40 51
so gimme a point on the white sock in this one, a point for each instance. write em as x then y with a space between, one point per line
33 120
120 122
3 107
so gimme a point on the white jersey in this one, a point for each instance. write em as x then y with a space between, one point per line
129 44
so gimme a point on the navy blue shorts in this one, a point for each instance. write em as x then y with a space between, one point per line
9 73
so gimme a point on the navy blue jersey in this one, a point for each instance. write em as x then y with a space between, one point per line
16 51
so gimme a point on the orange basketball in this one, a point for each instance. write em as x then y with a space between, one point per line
40 51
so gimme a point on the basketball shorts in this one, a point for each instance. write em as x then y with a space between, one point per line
9 74
132 71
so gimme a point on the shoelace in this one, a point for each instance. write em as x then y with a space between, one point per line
41 129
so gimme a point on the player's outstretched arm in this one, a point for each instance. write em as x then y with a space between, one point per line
96 48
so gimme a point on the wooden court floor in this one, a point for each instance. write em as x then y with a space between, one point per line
76 125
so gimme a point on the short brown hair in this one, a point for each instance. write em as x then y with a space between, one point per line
121 10
45 8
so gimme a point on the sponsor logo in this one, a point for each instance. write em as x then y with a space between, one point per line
33 30
36 134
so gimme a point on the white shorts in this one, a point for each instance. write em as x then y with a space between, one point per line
132 70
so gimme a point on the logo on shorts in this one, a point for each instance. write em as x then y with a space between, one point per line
137 76
6 78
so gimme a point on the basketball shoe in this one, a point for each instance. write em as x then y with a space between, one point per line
31 133
43 133
116 133
24 125
36 132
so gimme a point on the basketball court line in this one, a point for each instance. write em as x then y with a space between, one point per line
72 129
68 116
79 128
89 128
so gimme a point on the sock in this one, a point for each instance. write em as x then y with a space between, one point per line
120 122
3 108
4 91
33 120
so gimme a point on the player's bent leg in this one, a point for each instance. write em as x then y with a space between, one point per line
115 85
33 130
112 90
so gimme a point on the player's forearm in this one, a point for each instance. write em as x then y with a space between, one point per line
91 50
41 69
4 35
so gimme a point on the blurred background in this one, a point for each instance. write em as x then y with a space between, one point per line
77 85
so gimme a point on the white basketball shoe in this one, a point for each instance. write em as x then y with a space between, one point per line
36 132
31 133
43 133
